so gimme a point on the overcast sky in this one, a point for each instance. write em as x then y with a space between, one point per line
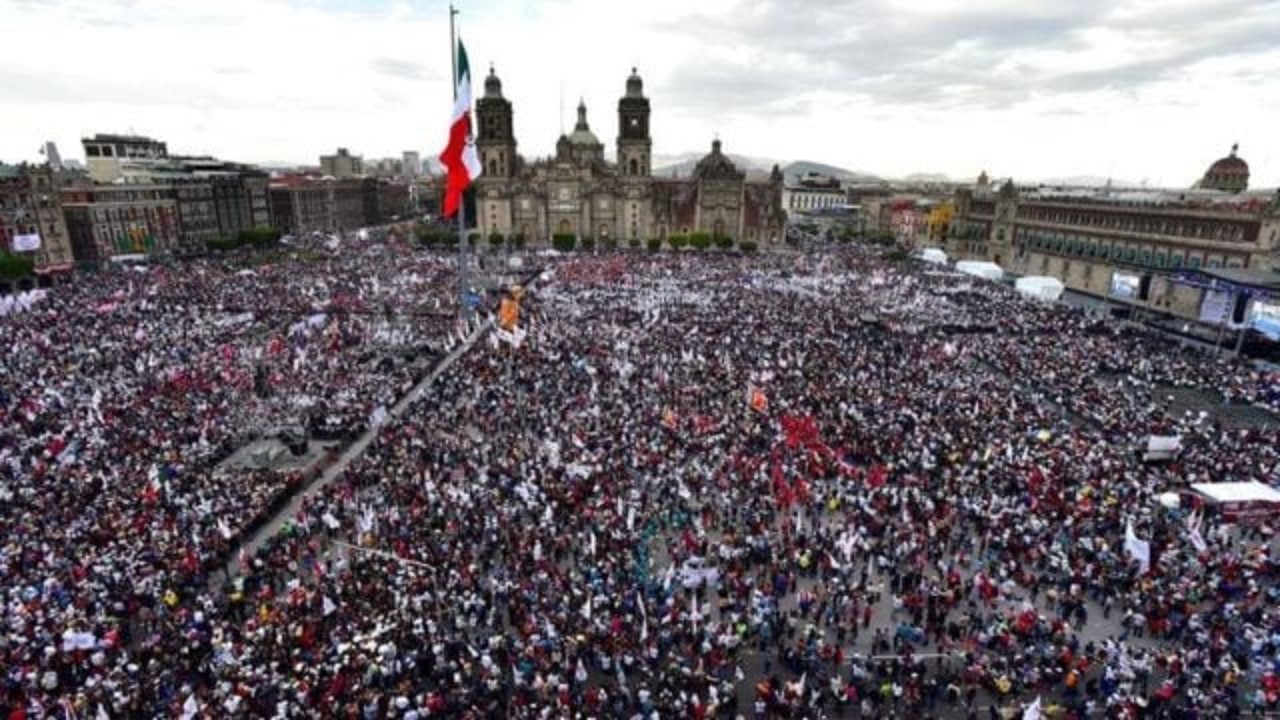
1137 89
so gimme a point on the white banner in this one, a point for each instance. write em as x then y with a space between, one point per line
26 243
1163 447
1216 308
1137 549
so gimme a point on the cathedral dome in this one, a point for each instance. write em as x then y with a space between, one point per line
582 134
716 165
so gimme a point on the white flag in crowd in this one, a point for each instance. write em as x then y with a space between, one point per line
1137 549
1194 536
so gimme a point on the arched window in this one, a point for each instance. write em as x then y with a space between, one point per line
634 167
493 167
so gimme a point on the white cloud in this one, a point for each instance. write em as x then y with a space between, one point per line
1135 89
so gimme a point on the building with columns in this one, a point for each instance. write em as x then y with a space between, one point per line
578 192
1099 239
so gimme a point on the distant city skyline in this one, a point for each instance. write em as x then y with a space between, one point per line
1136 89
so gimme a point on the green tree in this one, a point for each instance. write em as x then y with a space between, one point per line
724 242
655 244
588 244
496 240
678 241
260 236
700 240
564 242
222 244
428 235
747 247
634 243
13 267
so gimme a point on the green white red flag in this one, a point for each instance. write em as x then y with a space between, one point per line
459 158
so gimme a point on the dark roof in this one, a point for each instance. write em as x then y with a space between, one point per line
1230 165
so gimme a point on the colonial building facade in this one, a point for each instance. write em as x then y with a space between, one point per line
31 204
1089 238
577 192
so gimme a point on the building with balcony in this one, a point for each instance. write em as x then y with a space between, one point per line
114 158
215 198
31 207
813 192
104 221
1097 240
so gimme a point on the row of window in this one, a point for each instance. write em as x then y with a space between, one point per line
130 213
1203 229
1156 257
806 201
968 231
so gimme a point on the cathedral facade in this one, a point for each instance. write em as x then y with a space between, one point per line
578 192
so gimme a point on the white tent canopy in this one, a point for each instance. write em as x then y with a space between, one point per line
1238 492
982 269
1040 287
933 255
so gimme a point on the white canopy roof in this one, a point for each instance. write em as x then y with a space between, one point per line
1040 287
1232 492
933 255
982 269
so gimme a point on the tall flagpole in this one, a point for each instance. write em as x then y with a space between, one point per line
464 310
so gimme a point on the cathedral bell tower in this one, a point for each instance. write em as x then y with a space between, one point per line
635 147
495 137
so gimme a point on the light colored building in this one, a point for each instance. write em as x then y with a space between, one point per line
341 165
412 164
385 168
31 205
116 158
1092 239
215 198
813 192
577 192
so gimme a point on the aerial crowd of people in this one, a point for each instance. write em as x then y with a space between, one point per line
805 485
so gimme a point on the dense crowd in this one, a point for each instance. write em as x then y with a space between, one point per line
700 486
121 396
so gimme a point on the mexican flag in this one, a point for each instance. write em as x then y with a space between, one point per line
459 158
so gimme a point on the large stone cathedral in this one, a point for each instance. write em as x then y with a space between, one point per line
578 192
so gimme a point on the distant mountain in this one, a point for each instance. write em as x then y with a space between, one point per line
927 178
803 167
682 165
1090 181
280 165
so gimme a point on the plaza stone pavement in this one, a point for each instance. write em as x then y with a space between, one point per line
848 445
